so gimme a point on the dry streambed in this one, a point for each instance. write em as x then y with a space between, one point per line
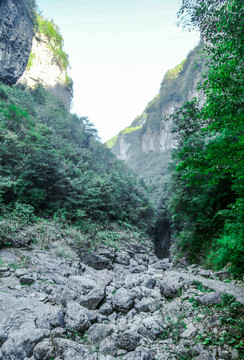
114 304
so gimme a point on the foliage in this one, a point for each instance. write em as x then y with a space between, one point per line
206 202
52 165
56 41
111 142
173 73
231 324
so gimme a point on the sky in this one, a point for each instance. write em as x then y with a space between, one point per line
119 51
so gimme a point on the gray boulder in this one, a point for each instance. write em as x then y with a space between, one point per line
128 340
22 343
122 258
107 347
170 287
106 309
98 332
70 350
76 317
96 261
123 300
43 350
142 305
209 298
140 354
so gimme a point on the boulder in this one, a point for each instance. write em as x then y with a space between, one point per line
76 318
96 261
140 354
122 258
98 332
123 300
128 340
170 287
209 298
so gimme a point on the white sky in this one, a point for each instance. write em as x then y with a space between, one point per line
119 51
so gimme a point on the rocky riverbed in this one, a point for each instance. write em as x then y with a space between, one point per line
64 304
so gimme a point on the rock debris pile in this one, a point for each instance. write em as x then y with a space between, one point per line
105 305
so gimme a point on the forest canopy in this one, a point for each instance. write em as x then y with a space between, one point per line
206 202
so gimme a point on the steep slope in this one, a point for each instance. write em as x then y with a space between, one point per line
147 144
48 63
16 33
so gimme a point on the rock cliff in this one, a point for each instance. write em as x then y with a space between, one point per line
44 68
16 34
147 144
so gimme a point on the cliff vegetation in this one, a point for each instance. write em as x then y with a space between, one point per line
53 167
206 191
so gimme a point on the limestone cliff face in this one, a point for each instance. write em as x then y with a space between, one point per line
44 68
147 146
16 34
178 86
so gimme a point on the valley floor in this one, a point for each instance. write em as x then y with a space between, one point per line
64 304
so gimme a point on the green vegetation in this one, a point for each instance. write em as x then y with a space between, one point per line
231 325
53 166
206 202
31 60
56 41
129 130
174 73
111 142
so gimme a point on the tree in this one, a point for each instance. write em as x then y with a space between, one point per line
208 165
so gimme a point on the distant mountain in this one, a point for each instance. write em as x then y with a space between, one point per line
147 144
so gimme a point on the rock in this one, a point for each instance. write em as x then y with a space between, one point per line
81 284
70 350
107 347
213 321
43 350
106 309
140 354
139 269
76 318
149 283
235 354
21 343
151 327
93 298
122 258
15 40
96 261
83 290
21 272
27 280
205 273
58 333
170 287
98 332
162 265
223 275
209 298
142 305
108 253
128 340
205 355
224 355
123 300
190 332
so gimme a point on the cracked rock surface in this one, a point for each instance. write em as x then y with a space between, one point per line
16 34
62 307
